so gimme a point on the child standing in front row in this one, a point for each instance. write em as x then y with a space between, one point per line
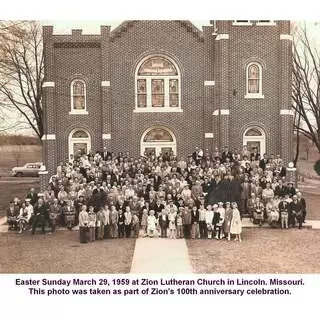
144 222
179 225
92 224
172 225
151 224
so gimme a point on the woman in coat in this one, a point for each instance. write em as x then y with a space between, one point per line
227 220
236 225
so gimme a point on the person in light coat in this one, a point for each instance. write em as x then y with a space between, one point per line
92 224
209 220
83 222
227 220
127 221
236 225
106 221
151 224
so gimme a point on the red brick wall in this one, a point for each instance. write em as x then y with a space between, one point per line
113 56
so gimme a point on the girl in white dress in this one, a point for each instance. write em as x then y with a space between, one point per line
151 224
172 225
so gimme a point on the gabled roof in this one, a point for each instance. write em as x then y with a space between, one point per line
124 26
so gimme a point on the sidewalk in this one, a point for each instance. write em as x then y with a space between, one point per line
160 255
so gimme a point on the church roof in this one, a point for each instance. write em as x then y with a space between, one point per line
124 26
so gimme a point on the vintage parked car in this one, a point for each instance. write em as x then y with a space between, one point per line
28 170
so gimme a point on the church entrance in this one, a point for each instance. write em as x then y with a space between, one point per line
158 140
255 137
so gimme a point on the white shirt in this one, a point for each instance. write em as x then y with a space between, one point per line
209 216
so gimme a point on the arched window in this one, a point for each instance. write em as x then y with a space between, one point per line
157 85
254 80
78 96
79 142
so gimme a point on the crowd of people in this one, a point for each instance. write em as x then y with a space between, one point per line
202 196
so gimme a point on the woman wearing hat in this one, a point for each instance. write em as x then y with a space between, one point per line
227 220
236 225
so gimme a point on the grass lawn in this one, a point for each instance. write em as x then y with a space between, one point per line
15 187
62 253
261 251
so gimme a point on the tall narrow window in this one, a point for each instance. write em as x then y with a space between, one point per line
157 92
78 96
254 81
142 93
157 85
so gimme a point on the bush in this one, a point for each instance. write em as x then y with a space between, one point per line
8 139
316 167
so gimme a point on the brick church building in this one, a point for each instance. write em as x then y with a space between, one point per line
166 85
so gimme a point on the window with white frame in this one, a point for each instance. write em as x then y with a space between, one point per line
78 96
157 85
254 80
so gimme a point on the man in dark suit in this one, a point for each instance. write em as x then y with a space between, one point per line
302 202
105 154
255 155
41 214
157 207
295 213
280 190
245 195
32 195
163 222
263 162
284 212
194 222
226 154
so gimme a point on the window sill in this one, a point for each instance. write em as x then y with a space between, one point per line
155 109
78 112
242 23
254 96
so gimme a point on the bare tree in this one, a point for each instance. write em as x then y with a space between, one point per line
306 86
21 74
297 123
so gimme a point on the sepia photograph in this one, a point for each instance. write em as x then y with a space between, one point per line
159 147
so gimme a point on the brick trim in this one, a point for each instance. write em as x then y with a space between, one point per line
48 84
222 36
105 83
48 137
286 112
286 37
223 112
209 82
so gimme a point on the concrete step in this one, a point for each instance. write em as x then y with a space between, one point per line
310 224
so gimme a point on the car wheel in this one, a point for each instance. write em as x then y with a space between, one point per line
19 174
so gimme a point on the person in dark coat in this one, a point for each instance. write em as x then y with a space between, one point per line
41 213
32 195
295 212
12 215
302 201
186 218
194 222
163 222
